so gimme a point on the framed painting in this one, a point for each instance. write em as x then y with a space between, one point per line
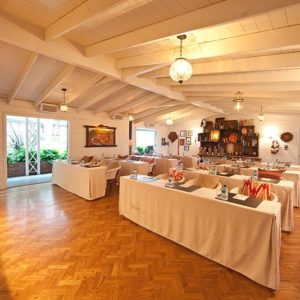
186 148
183 133
190 133
100 136
188 141
181 142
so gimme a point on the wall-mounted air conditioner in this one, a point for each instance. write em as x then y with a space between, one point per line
117 117
48 108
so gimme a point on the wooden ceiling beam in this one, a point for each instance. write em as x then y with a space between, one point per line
101 11
219 13
245 88
150 104
292 75
118 99
22 76
107 90
175 114
158 113
86 86
136 71
238 65
260 41
134 103
67 70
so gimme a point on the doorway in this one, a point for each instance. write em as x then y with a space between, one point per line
32 146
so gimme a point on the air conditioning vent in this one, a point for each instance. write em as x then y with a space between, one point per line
117 117
48 108
149 125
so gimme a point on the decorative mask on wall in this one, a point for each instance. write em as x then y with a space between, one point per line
173 136
286 137
274 147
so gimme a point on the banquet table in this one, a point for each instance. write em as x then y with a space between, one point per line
127 166
284 190
88 183
291 175
241 238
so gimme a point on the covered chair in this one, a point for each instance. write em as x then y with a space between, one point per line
238 190
187 161
112 173
207 181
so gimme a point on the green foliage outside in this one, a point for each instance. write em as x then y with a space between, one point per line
18 155
143 150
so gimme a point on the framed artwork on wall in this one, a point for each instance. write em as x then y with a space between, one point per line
188 141
181 142
190 133
186 148
183 133
100 136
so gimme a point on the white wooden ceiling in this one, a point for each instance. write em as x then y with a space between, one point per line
114 55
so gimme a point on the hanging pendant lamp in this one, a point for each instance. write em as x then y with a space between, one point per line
238 102
261 116
181 69
64 107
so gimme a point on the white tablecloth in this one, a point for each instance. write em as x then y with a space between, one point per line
127 167
88 183
244 239
164 164
284 190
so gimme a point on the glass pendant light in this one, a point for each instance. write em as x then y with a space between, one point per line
64 107
181 69
261 116
238 102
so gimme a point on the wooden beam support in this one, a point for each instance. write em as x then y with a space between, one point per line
86 86
67 70
118 99
260 41
132 104
150 104
238 65
219 13
90 10
106 91
136 71
158 112
23 75
292 75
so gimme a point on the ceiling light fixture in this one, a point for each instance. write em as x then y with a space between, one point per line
64 107
169 121
181 69
238 102
261 116
131 118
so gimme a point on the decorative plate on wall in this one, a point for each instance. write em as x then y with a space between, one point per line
286 137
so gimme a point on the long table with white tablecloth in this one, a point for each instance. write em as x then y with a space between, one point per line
241 238
88 183
284 190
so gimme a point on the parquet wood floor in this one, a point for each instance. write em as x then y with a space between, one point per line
56 246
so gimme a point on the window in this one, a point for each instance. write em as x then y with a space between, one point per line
145 137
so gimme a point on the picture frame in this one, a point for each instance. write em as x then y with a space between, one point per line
188 141
186 148
190 133
183 133
100 136
181 142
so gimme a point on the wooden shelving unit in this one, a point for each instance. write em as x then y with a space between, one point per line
245 145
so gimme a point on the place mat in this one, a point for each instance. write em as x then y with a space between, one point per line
225 174
177 186
90 166
268 180
146 178
249 202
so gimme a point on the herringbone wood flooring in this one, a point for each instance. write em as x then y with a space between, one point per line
55 245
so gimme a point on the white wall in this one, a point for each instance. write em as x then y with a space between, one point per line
76 131
161 132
